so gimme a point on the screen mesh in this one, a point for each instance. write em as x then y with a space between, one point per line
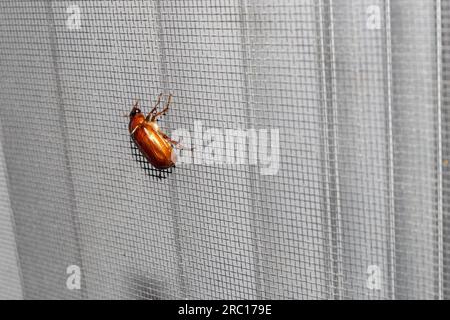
353 93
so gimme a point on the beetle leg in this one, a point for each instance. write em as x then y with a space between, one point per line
176 144
152 112
163 111
179 146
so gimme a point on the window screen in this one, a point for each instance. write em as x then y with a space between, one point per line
348 199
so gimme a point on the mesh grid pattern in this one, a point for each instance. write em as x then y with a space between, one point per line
9 271
357 90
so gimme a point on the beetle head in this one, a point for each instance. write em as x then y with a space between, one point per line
135 111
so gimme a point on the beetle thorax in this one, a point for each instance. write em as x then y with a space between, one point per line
136 121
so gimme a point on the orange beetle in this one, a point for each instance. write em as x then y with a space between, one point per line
154 144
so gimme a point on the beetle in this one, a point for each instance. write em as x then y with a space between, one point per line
155 145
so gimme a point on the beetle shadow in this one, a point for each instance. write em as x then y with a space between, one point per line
143 162
146 287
